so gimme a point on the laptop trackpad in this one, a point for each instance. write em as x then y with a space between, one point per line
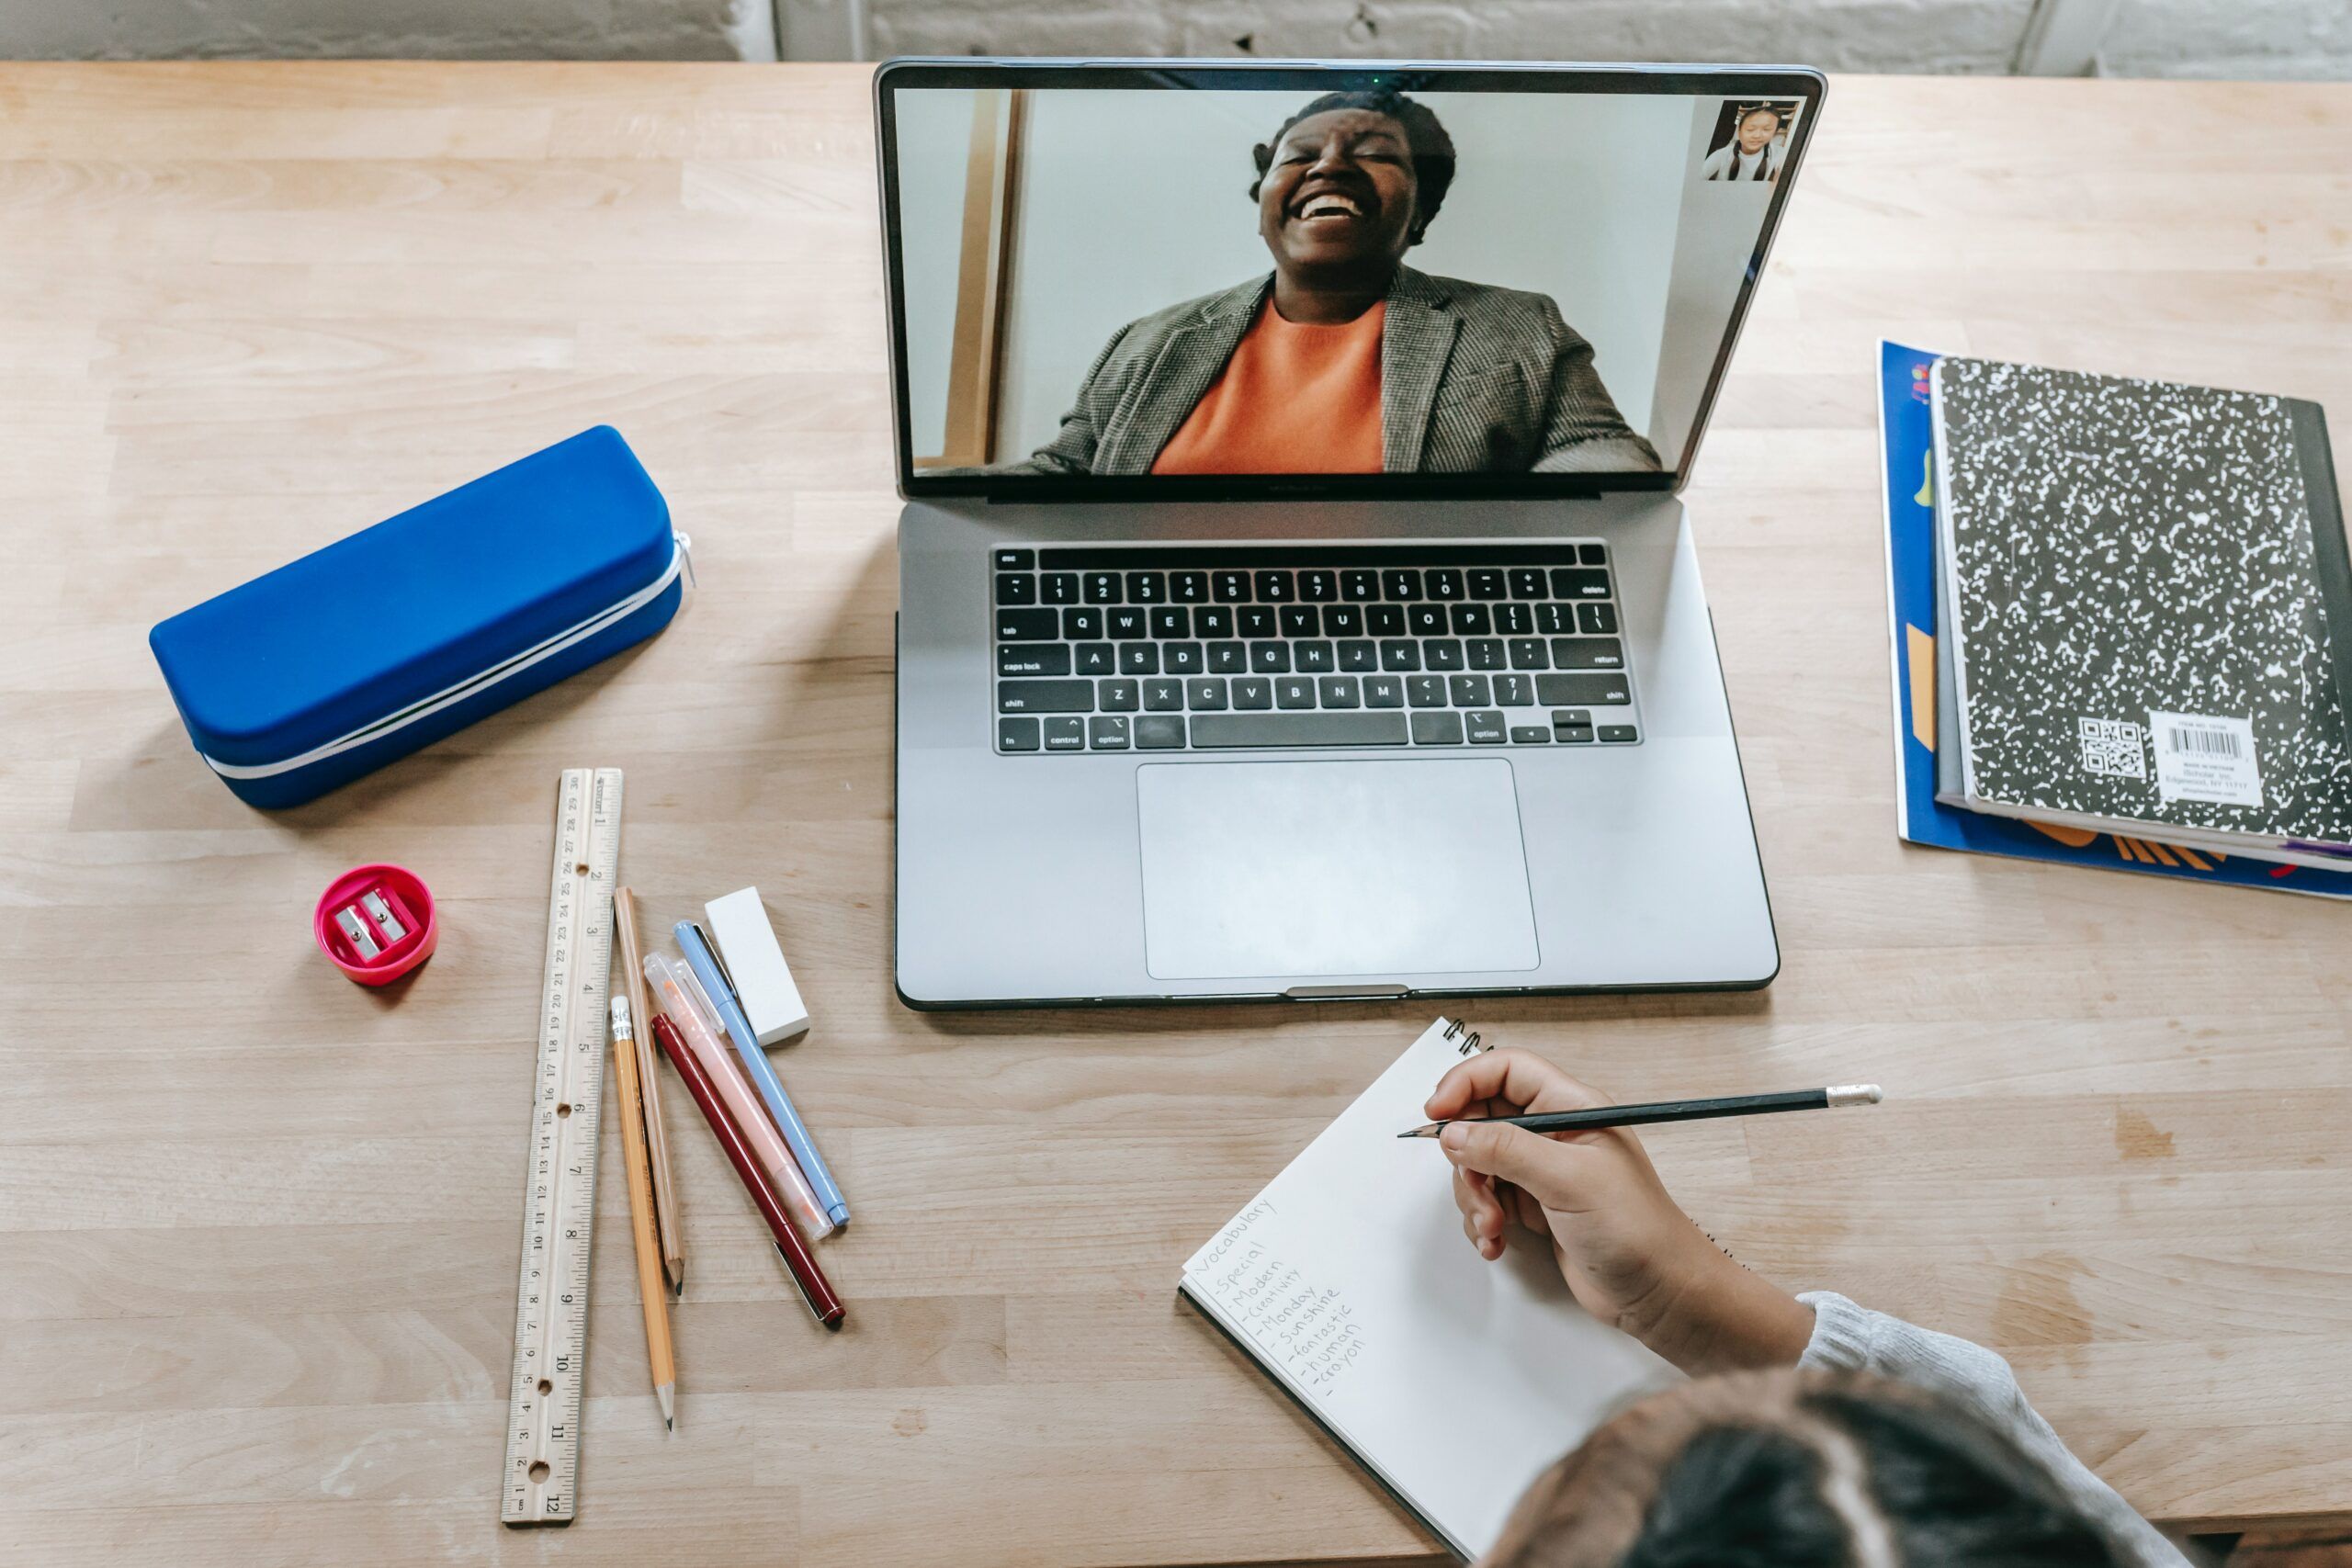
1357 869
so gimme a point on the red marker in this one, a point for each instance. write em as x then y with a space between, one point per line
814 1287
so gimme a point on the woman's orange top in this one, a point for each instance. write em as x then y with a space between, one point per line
1292 399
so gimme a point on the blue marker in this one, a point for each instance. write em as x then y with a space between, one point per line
755 1062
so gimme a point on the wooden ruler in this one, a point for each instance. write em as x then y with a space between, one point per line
541 1483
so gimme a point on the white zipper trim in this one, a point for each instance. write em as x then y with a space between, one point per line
473 686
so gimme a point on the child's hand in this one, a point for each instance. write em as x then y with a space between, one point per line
1630 1256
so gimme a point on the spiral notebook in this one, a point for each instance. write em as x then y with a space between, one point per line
1454 1381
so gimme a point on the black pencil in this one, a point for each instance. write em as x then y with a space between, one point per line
1836 1097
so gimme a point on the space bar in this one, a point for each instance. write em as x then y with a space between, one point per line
1226 731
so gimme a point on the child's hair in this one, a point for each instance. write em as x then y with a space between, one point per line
1798 1469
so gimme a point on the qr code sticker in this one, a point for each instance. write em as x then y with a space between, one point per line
2112 748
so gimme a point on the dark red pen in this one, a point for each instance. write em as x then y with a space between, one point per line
814 1287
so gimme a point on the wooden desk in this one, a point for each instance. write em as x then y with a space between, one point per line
257 1226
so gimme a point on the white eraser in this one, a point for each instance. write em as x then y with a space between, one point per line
763 980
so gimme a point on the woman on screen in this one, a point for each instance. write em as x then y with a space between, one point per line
1343 359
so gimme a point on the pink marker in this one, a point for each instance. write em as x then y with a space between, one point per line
677 994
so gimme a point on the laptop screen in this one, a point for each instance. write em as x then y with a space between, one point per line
1358 282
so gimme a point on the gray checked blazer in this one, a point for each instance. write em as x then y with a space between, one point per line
1473 379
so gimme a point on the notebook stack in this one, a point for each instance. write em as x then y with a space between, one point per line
2143 612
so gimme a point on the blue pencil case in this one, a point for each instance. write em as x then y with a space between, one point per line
333 665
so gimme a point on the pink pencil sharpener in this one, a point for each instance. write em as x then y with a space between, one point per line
375 923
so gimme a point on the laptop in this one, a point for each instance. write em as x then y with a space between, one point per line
1295 600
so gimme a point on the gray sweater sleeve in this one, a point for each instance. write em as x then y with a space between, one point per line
1847 1337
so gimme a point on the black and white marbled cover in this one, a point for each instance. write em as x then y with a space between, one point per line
2116 546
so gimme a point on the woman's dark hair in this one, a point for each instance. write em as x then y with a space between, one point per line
1799 1469
1433 149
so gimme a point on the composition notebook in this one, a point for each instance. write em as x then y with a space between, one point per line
1453 1381
2150 607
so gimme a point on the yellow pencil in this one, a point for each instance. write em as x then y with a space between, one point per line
650 1293
657 1140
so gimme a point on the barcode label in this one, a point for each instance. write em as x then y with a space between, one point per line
2204 757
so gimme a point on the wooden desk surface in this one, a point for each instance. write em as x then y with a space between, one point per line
257 1226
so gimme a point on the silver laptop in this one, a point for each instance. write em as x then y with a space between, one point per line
1295 596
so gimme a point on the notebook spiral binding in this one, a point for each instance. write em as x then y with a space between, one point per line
1469 1042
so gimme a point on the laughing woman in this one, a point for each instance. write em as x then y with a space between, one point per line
1344 360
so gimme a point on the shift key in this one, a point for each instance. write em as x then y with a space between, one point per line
1045 696
1572 691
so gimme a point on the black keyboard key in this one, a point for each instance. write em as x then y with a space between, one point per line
1140 658
1312 657
1579 582
1301 620
1172 620
1253 692
1102 587
1592 555
1554 619
1360 585
1471 620
1059 588
1597 620
1343 620
1274 587
1045 696
1146 587
1066 735
1033 659
1230 587
1082 625
1402 584
1582 691
1110 734
1573 727
1339 691
1257 620
1468 692
1127 621
1096 659
1426 620
1179 658
1159 732
1238 731
1514 619
1017 561
1189 587
1359 656
1385 620
1441 653
1212 620
1514 691
1269 658
1426 691
1016 735
1206 693
1384 691
1589 653
1163 696
1121 696
1401 656
1616 734
1027 625
1527 582
1294 692
1528 653
1487 729
1319 586
1484 653
1437 729
1015 588
1531 735
1445 582
1228 658
1486 582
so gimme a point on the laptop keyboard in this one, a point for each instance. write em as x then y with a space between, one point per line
1227 647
